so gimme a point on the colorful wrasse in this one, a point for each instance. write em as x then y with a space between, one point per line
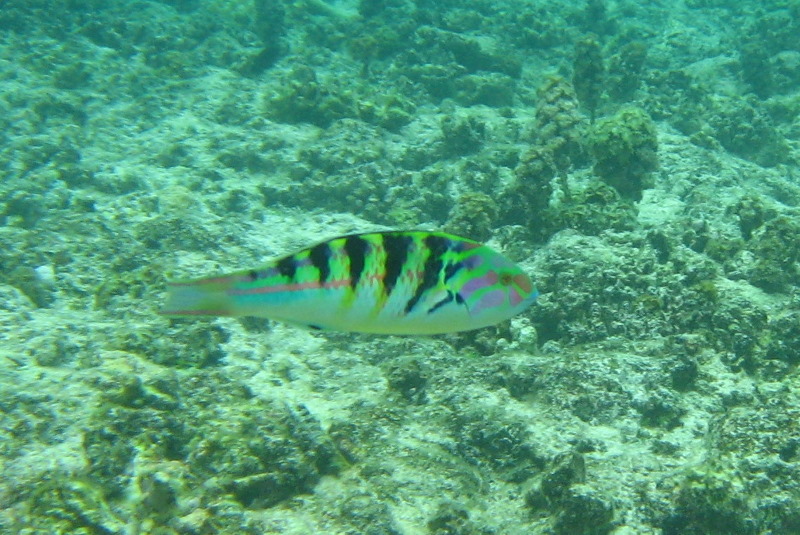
384 282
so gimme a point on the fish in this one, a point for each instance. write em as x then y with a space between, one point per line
387 283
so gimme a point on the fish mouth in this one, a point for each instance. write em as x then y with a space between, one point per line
531 299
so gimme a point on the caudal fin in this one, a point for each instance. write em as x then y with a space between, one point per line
205 297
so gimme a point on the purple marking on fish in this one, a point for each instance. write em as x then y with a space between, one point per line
477 283
490 299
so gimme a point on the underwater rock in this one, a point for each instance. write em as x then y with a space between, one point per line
269 24
559 126
744 128
159 494
391 112
368 515
594 17
266 461
757 70
565 471
660 409
408 376
58 347
373 8
776 253
594 210
783 342
466 51
258 458
768 44
500 442
710 506
36 283
23 209
589 73
64 504
344 171
625 150
75 76
462 135
526 200
749 480
575 507
752 211
625 69
439 81
473 215
183 346
452 518
558 146
303 98
684 372
583 511
489 89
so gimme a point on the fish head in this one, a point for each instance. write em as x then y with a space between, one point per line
493 288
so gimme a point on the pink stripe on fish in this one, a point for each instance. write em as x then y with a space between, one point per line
477 283
292 287
213 280
193 312
514 297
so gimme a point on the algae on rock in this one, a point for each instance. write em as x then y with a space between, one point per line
625 149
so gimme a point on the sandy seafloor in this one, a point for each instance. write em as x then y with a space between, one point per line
652 389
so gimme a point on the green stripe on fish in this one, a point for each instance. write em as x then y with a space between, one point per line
410 282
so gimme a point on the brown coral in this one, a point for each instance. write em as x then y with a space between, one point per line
560 126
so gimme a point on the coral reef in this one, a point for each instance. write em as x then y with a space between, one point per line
474 214
594 210
532 190
270 25
559 145
652 388
745 129
589 73
462 136
152 441
559 126
625 149
625 71
303 98
776 253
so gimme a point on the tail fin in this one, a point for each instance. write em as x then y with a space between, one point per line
202 297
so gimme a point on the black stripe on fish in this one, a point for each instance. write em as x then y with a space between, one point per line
451 269
448 299
287 267
396 247
320 256
356 248
431 271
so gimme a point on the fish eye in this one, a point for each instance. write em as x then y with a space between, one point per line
506 279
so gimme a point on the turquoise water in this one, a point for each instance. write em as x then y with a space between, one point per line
639 160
